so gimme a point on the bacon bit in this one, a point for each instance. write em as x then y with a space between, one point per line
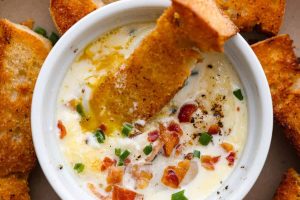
103 127
155 150
173 126
127 161
208 162
107 162
189 156
186 111
115 175
96 193
231 158
153 136
142 177
124 194
169 138
214 129
108 188
226 146
62 128
173 175
179 149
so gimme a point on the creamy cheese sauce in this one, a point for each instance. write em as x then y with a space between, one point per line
210 87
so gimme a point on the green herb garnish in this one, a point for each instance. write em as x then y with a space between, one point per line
196 154
205 138
124 155
41 31
148 149
121 162
118 152
53 38
99 134
238 94
126 129
79 109
179 196
79 167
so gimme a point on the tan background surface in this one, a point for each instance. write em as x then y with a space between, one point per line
281 155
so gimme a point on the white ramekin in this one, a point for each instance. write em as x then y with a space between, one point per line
43 122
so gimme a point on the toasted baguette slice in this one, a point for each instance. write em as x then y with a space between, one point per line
14 188
283 73
65 13
22 53
159 66
289 188
247 14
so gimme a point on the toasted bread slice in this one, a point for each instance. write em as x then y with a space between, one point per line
65 13
289 188
247 14
283 73
22 53
14 188
159 66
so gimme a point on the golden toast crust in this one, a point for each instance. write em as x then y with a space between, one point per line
14 188
283 73
65 13
159 66
22 53
289 188
247 14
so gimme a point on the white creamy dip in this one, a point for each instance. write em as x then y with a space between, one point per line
210 87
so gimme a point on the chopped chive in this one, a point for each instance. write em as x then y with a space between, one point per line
196 154
194 72
124 155
121 162
179 196
79 167
118 152
148 149
53 38
99 134
126 129
79 109
238 94
41 31
205 138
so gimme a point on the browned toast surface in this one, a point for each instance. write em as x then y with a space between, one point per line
65 13
14 188
159 66
283 73
22 53
289 188
247 14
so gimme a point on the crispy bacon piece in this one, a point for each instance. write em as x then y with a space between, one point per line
115 175
100 196
231 158
186 112
208 162
226 146
142 177
125 194
106 163
173 175
173 126
214 129
156 148
153 136
169 138
62 129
